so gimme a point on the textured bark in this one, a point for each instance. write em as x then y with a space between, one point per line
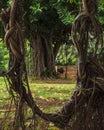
85 109
43 56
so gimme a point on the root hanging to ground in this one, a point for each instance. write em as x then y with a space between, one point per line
83 110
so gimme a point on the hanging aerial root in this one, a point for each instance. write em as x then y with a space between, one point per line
76 113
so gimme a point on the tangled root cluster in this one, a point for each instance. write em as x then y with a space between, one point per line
85 109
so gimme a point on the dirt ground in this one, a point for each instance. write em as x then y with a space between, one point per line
52 81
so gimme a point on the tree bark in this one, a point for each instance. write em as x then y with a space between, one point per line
43 56
85 110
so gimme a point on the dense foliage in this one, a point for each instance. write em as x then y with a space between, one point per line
67 55
54 18
3 56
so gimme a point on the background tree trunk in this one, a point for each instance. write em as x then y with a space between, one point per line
43 56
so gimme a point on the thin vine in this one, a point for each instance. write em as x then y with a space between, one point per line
90 76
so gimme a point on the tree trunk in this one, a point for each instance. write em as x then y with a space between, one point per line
43 56
85 110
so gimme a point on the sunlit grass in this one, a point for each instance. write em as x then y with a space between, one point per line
41 90
3 92
57 91
44 91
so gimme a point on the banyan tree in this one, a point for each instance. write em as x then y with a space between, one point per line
85 109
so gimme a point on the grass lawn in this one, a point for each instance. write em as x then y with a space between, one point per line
56 91
42 90
50 95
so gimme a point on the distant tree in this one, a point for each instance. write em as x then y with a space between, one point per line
67 55
48 24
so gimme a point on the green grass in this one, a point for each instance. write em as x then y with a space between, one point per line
44 91
41 90
3 92
57 91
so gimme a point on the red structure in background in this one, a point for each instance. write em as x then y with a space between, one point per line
68 72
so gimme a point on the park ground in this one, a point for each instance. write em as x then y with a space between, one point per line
49 94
